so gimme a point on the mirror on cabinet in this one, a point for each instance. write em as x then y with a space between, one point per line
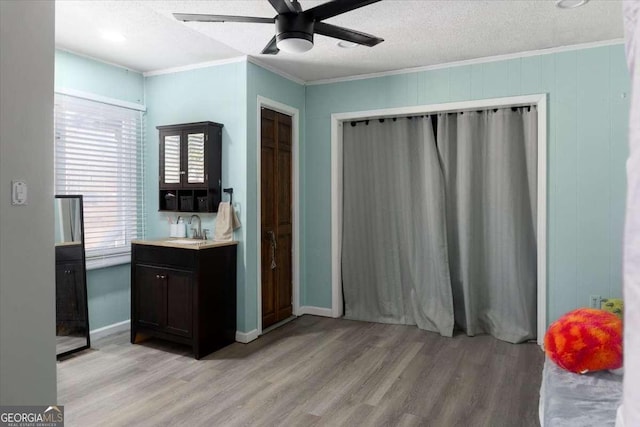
171 153
190 170
195 158
72 317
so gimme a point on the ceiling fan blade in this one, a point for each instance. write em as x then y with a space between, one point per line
346 34
195 17
283 6
271 48
336 7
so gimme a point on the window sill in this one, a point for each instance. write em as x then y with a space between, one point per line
98 262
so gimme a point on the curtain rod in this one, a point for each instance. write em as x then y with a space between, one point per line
381 120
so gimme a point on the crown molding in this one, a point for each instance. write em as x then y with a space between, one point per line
102 61
196 66
254 60
275 70
207 64
468 62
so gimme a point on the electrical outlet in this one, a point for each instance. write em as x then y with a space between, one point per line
594 301
18 192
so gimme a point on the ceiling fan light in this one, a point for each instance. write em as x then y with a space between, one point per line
294 45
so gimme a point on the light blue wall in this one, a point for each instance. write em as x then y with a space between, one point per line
587 149
109 295
108 289
215 94
261 82
87 75
226 94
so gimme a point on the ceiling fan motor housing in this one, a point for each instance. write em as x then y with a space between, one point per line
294 26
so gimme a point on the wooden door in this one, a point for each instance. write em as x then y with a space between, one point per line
276 217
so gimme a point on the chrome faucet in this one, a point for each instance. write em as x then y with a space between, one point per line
197 233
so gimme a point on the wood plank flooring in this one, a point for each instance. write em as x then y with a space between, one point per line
68 342
312 371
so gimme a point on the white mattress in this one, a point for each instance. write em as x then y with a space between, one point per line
573 400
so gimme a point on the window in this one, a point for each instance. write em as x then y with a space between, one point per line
98 154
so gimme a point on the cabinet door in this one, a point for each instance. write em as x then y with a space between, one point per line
179 302
150 296
194 158
69 293
171 168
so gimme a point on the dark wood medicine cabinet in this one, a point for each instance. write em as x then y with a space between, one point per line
190 167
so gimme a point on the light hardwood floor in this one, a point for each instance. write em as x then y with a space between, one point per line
68 342
311 371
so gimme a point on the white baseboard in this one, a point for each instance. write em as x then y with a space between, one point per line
243 337
246 337
109 330
316 311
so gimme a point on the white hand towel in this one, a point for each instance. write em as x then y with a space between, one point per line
226 222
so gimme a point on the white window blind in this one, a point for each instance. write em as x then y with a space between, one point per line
98 154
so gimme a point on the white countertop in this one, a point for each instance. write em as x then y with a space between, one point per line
184 243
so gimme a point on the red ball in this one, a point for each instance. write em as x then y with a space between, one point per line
585 340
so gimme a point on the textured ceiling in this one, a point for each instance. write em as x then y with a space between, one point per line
416 33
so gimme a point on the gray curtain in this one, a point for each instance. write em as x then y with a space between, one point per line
489 163
432 233
394 263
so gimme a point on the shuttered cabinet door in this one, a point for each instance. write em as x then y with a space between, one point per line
171 154
194 162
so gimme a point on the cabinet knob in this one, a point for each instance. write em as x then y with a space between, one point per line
182 172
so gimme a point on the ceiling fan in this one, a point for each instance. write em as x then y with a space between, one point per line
295 27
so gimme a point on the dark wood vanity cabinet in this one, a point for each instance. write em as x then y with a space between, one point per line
190 167
165 299
71 306
184 295
70 293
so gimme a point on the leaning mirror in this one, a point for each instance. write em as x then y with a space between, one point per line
72 317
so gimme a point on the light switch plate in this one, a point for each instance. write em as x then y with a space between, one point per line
18 192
